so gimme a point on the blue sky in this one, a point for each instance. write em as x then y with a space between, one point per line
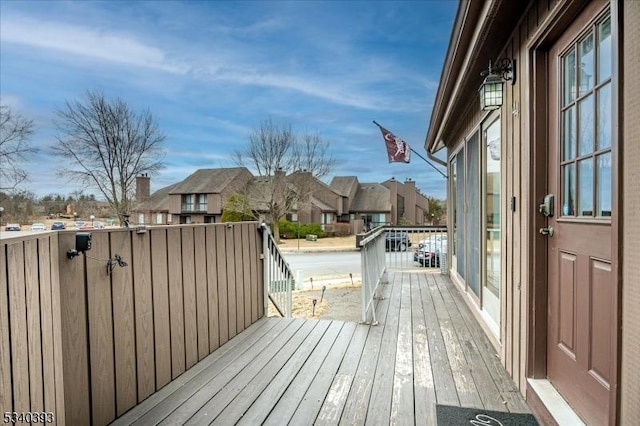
212 71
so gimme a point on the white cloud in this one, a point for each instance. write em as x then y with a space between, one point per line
86 42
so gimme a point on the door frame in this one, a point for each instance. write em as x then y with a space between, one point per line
560 17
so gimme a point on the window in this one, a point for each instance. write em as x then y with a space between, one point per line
201 204
586 124
187 202
492 207
159 218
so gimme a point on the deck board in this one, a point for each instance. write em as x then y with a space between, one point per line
426 349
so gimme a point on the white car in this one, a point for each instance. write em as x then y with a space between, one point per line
430 250
38 227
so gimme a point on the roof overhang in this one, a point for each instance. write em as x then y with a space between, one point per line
480 31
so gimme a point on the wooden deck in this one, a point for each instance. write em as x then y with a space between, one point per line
427 349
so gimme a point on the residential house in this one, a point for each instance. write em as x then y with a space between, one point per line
201 198
544 217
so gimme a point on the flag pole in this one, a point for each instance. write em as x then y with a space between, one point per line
418 154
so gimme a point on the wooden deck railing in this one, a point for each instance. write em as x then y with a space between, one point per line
87 341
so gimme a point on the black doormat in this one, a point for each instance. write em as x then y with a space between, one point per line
449 415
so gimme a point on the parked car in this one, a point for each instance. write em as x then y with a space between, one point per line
79 224
98 225
397 241
430 250
12 227
38 227
57 226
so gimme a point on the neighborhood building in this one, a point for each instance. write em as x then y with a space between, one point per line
537 110
201 198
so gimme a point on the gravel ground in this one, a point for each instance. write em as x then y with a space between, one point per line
338 303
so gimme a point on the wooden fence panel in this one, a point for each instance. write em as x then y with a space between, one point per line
189 289
224 313
176 302
46 324
246 273
100 312
75 346
18 318
161 314
202 297
6 396
143 305
34 333
212 288
88 341
123 322
231 281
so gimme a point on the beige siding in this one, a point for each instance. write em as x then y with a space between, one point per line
630 230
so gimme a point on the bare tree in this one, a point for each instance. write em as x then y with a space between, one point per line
273 152
15 135
105 144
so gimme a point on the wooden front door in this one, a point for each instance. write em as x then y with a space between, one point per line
581 346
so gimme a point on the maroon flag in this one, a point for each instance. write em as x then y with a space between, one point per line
397 149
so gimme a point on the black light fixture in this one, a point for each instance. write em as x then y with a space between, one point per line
492 88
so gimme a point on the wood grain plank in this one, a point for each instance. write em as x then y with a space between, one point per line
254 270
6 373
254 372
161 315
56 314
18 321
202 294
285 393
46 321
143 304
73 324
100 319
223 289
402 407
176 303
123 323
356 405
208 401
264 390
212 288
465 385
189 289
308 409
34 332
239 275
164 401
423 383
445 387
332 406
247 280
509 393
379 409
231 280
485 385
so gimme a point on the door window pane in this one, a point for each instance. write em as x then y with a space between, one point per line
586 126
569 190
569 134
569 65
585 193
603 184
604 50
586 63
492 212
604 117
473 236
460 213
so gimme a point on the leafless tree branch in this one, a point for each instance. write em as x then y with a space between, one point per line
15 135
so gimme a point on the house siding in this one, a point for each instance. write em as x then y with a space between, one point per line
630 230
523 153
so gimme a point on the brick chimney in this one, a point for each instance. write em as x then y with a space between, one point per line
143 187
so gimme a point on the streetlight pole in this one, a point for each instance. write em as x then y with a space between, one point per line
92 217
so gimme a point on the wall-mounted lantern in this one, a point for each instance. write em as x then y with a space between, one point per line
492 88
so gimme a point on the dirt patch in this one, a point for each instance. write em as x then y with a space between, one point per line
334 243
337 303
